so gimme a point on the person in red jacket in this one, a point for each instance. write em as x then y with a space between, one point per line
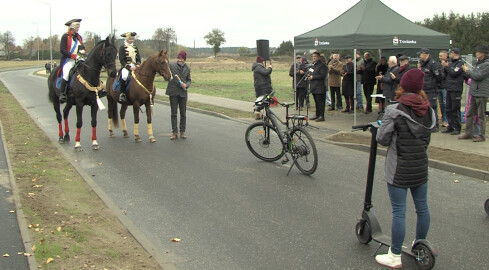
72 49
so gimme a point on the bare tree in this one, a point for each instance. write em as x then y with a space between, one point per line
165 37
29 44
7 41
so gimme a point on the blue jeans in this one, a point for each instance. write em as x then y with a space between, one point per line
359 95
442 99
398 203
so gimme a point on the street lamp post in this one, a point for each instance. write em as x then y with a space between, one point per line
50 36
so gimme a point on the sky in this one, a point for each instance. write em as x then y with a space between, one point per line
243 22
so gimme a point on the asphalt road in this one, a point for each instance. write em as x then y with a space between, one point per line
232 211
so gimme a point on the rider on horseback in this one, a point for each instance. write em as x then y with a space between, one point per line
71 49
130 60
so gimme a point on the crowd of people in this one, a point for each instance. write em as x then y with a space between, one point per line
443 84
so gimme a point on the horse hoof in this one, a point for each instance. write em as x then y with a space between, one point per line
111 134
138 140
61 140
152 140
67 138
95 147
78 148
126 135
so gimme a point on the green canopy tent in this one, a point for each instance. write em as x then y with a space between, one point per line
370 24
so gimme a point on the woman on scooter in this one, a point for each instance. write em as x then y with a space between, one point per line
406 130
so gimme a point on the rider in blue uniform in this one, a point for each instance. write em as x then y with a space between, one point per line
130 60
71 48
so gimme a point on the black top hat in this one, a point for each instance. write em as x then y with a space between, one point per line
482 48
68 23
129 34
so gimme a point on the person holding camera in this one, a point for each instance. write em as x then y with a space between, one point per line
318 89
298 69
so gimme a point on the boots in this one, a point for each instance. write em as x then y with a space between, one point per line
62 88
122 96
390 260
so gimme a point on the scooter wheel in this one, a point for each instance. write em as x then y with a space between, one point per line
486 206
425 259
363 232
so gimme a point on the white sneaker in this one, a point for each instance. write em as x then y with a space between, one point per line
390 260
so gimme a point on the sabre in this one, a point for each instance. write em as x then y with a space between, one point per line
180 82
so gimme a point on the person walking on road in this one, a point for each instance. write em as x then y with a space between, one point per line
406 130
479 90
177 91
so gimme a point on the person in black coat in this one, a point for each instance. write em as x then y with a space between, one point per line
348 85
454 85
432 78
298 69
368 79
130 60
318 89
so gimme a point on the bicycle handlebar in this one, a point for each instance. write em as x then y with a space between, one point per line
364 127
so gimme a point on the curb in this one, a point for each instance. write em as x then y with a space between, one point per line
435 164
24 231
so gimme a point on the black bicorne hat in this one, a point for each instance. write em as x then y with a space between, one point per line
68 23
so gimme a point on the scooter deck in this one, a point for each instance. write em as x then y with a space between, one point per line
385 240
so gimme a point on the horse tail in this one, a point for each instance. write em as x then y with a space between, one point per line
115 115
51 84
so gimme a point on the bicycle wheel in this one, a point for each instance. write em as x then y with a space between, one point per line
304 151
263 141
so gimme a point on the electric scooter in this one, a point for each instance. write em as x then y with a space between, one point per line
368 228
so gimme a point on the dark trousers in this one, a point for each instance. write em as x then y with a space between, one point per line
349 101
453 104
433 98
336 97
319 99
175 103
300 96
368 89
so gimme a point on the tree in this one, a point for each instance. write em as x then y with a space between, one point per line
90 39
7 42
243 51
29 45
215 38
285 48
165 37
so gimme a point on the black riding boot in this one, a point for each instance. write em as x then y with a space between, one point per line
62 88
122 96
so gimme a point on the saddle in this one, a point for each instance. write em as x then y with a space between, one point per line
116 86
71 76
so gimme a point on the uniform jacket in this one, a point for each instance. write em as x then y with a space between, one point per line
432 74
317 82
125 59
262 79
183 72
67 42
348 85
454 76
407 136
479 87
301 82
334 70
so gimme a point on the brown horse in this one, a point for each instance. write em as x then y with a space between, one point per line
141 92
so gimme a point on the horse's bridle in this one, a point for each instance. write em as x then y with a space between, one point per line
102 52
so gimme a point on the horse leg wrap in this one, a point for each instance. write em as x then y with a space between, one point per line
123 124
77 137
110 123
94 133
136 129
60 129
67 127
150 130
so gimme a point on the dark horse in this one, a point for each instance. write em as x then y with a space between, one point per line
141 92
84 90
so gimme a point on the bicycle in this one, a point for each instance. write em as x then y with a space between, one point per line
267 141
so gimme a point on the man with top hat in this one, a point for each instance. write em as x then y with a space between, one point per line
479 90
72 49
130 60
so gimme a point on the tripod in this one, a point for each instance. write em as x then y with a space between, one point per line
306 98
